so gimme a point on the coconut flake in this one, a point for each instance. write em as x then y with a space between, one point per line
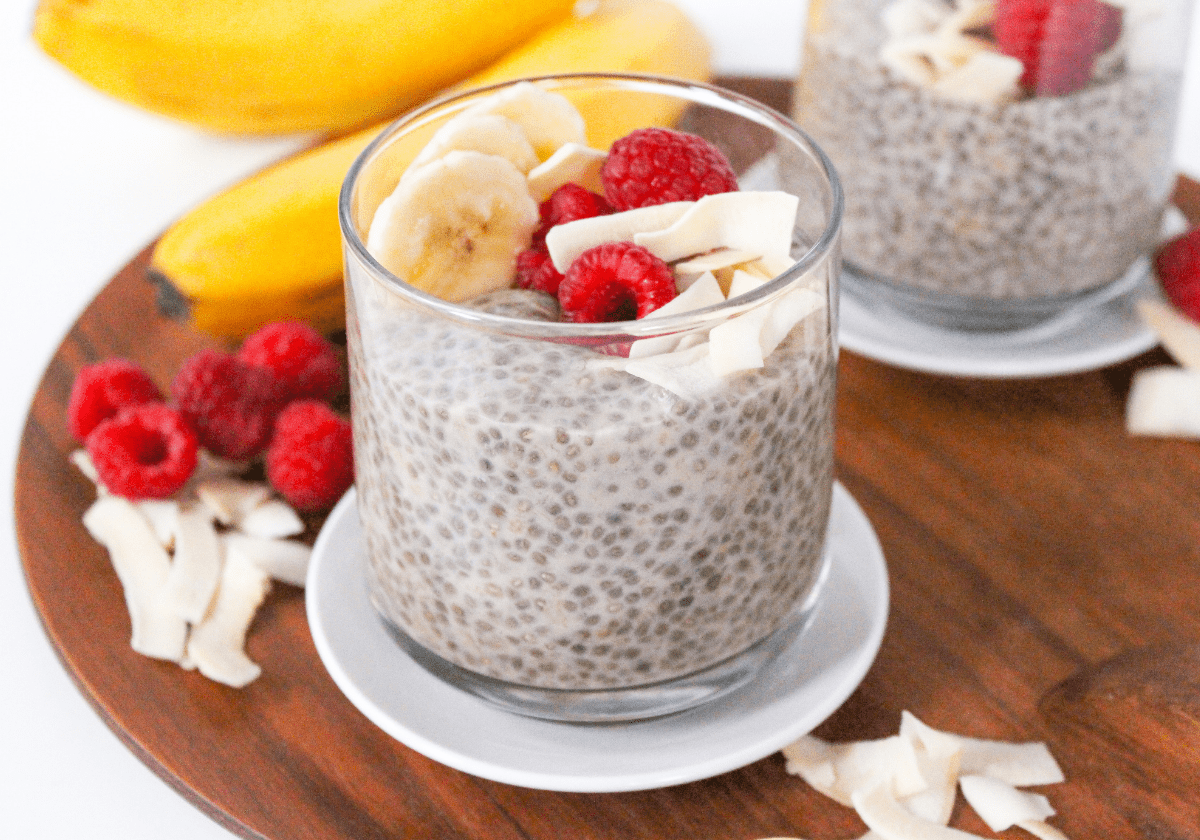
1001 805
713 260
703 292
163 516
571 163
273 519
1019 764
1042 830
1180 335
196 570
217 644
1164 402
938 757
283 560
878 808
230 499
838 770
142 566
759 222
567 241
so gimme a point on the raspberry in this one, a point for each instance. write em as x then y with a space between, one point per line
145 451
616 281
1056 40
1177 264
568 203
311 458
103 389
231 405
658 165
306 365
536 271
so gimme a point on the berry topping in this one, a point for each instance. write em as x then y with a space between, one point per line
535 270
1178 266
103 389
311 458
1056 40
301 359
659 165
616 281
146 451
568 203
230 404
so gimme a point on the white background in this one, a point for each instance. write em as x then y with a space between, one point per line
86 183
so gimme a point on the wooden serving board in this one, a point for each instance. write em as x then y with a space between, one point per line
1044 568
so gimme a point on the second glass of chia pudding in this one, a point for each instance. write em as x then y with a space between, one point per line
593 389
1002 159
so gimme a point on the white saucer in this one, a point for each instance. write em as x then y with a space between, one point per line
805 684
1082 339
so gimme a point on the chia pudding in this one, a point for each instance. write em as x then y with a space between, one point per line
1034 198
537 518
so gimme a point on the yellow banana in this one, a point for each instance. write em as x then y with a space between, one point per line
277 66
269 247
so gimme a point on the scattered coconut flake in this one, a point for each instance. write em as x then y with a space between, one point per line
572 163
567 241
230 499
1020 764
1164 402
196 569
283 560
142 566
163 516
217 644
273 519
1001 805
761 222
1180 335
838 770
878 808
1042 830
83 462
939 758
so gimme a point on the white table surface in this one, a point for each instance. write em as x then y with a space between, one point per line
87 182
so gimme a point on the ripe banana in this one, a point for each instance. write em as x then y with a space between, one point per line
270 247
277 66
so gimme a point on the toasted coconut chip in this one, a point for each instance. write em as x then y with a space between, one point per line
197 568
1179 334
938 757
567 241
283 560
1042 830
217 644
1001 805
230 499
142 566
878 808
163 515
1019 764
571 163
273 519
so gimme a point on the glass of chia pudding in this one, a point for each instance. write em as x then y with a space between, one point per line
1003 160
608 504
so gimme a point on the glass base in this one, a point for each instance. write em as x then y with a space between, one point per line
973 314
614 705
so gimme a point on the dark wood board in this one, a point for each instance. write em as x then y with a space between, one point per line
1044 568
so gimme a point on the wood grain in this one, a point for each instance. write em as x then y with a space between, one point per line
1044 567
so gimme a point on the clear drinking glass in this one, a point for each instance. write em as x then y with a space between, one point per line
566 539
1001 160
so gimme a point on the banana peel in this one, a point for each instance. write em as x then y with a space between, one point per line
283 66
269 248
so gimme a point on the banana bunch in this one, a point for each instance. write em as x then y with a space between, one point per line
270 247
278 66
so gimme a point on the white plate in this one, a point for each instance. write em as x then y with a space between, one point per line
1083 339
805 684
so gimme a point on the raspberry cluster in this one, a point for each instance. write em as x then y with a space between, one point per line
620 281
1057 41
1177 264
268 398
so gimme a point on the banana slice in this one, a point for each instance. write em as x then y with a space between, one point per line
491 134
548 119
453 227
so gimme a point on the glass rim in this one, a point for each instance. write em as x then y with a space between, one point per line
697 92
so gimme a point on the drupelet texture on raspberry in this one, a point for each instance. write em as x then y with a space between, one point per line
568 203
616 281
231 405
658 165
535 270
146 451
311 457
1177 264
102 389
305 363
